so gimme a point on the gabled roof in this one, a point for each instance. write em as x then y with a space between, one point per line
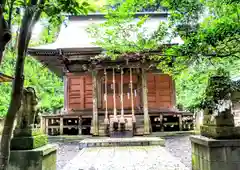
5 78
74 40
73 37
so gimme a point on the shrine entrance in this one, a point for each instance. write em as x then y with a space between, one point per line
120 99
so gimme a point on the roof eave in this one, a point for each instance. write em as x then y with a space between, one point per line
64 51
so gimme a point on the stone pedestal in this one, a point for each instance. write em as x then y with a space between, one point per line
214 154
220 127
42 158
24 139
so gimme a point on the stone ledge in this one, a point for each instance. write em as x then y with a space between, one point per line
41 158
43 151
210 142
115 142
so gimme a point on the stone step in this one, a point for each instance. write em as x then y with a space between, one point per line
110 142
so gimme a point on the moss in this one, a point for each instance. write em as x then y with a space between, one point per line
30 142
49 161
27 132
39 141
216 132
193 160
222 120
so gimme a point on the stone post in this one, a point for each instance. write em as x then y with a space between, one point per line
145 102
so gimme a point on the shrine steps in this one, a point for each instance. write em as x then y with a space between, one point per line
119 142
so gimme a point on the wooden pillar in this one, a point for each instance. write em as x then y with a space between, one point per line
132 97
122 110
161 122
46 127
61 125
79 125
114 98
65 80
106 121
43 124
95 107
180 122
174 105
145 102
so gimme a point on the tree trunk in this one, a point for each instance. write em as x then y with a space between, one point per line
5 33
17 88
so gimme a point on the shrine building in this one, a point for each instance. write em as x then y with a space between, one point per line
105 97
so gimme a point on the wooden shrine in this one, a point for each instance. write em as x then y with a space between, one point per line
103 97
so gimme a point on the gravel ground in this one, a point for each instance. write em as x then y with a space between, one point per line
65 153
178 146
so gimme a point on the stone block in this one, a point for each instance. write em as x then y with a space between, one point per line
217 165
216 132
222 120
27 132
43 158
28 142
218 154
232 154
214 154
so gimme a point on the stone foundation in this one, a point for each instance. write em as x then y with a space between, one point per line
213 154
43 158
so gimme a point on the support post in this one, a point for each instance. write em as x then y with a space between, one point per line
114 98
180 123
47 124
61 125
43 124
106 121
132 97
95 108
79 125
65 79
122 110
161 122
145 102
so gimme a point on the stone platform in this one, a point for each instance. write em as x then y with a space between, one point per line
215 154
108 142
125 158
42 158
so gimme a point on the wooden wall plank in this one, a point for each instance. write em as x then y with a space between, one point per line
160 92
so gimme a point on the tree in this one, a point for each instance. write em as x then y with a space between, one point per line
32 10
210 30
